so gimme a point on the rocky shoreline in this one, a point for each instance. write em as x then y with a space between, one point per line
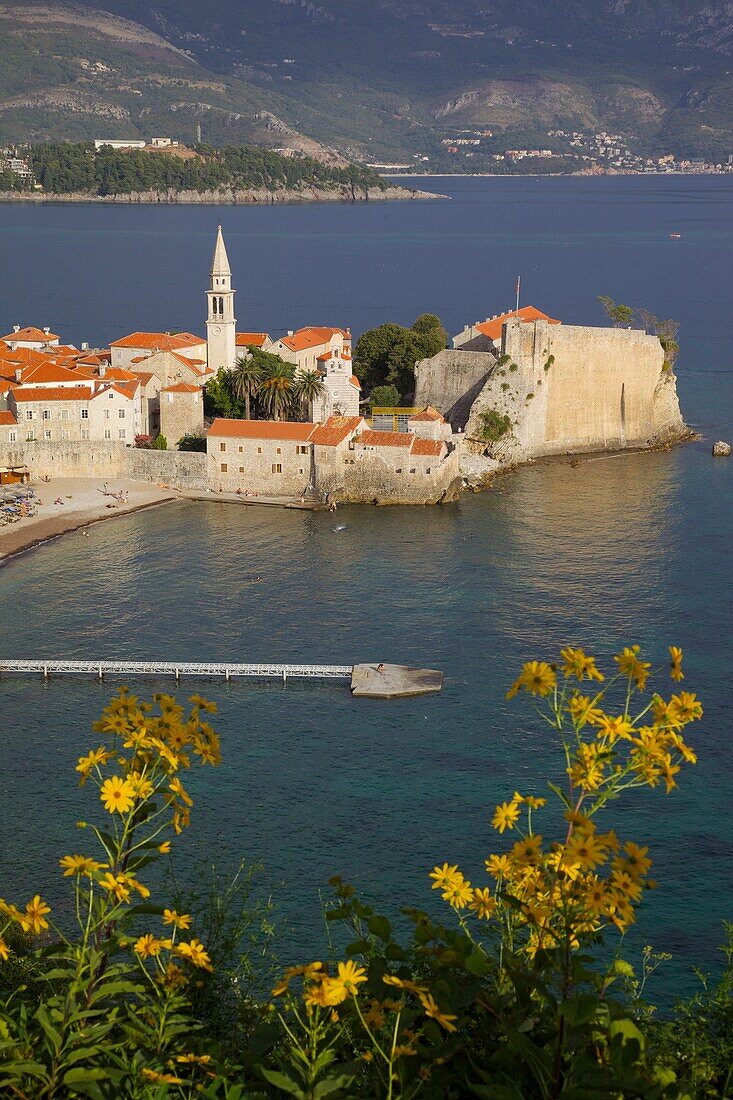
229 196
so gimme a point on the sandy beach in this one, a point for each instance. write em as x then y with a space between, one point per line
84 502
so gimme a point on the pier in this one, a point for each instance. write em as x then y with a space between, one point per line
376 681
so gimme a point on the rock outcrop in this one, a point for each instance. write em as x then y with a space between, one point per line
721 449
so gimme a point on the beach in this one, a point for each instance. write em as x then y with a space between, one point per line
84 503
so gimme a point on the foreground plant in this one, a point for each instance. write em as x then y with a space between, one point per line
108 1012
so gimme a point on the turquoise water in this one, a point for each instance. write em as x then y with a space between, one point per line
625 548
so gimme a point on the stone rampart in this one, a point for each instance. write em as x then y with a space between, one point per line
181 469
451 381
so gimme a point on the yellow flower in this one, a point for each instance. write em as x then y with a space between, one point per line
375 1016
686 707
536 677
676 663
458 893
118 885
181 920
585 850
613 728
582 710
79 865
35 914
117 795
526 852
498 866
194 1059
95 758
165 847
203 704
4 950
147 946
404 1052
630 665
403 983
636 861
432 1010
141 785
196 953
483 903
505 816
444 876
596 897
177 789
348 979
137 739
162 1078
577 664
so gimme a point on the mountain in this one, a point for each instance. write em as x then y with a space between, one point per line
374 79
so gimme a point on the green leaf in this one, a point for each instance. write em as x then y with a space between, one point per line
380 926
560 794
580 1010
280 1081
477 964
332 1084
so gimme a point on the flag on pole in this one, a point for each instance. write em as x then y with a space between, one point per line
517 288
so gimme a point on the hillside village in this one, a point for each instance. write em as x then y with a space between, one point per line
514 387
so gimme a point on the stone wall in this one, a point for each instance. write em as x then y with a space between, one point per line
182 469
569 389
451 381
371 478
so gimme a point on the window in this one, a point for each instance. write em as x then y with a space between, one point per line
64 433
121 414
301 450
278 450
259 450
107 433
241 450
222 447
30 435
47 433
46 414
412 471
121 433
399 471
241 469
12 437
277 468
224 467
85 433
85 414
29 414
110 396
301 471
64 414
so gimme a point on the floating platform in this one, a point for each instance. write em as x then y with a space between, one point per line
394 681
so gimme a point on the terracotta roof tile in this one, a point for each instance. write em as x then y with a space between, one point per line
335 430
47 372
433 447
7 417
493 326
34 335
261 429
311 337
158 341
428 415
181 387
370 438
256 339
51 393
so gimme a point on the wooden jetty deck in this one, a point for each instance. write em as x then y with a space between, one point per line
376 681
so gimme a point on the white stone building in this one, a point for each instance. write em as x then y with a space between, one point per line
221 324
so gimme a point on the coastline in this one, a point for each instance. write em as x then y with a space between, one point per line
90 507
227 197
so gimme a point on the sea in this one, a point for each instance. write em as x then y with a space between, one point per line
618 549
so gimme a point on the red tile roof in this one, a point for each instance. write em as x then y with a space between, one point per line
158 341
493 326
355 381
181 387
370 438
261 429
428 415
117 374
31 334
144 376
256 339
7 417
335 430
311 337
50 393
47 372
433 447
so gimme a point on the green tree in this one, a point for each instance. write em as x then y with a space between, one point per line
433 337
276 388
246 378
219 397
160 443
621 316
308 388
371 353
406 350
192 442
388 353
384 397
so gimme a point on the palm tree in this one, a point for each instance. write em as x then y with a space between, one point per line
307 389
246 380
276 389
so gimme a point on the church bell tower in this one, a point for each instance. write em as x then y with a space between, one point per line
221 323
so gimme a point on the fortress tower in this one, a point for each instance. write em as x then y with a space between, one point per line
221 323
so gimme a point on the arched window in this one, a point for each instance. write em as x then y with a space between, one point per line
221 306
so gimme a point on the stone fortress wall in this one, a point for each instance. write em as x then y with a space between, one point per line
564 389
180 469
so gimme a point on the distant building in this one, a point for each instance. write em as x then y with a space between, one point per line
30 337
486 335
129 351
221 324
118 143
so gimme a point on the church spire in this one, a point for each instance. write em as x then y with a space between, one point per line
220 260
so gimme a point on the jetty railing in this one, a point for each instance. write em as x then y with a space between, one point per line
201 669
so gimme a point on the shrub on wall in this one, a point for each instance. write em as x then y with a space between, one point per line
494 425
